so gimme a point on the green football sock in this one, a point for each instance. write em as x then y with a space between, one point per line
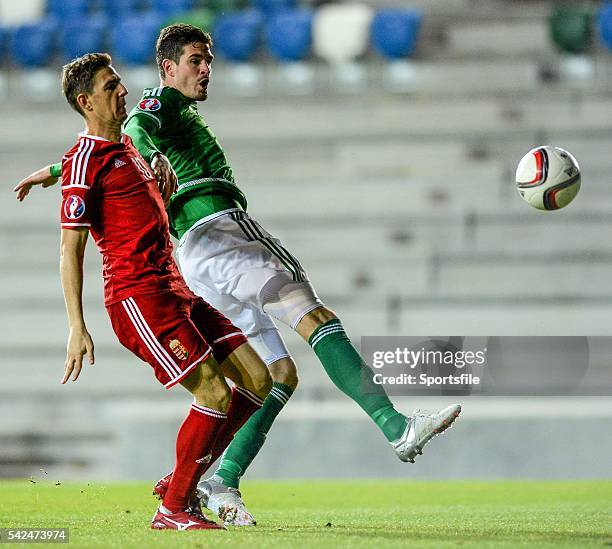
250 438
353 377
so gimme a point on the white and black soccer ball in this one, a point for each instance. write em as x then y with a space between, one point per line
548 178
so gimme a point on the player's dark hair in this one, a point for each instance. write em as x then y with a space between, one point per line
173 39
78 76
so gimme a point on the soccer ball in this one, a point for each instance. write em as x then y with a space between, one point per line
548 178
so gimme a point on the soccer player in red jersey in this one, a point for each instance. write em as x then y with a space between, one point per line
109 191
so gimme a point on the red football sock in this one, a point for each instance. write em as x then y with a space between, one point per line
194 445
242 406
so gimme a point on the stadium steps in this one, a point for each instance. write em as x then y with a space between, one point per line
314 123
476 39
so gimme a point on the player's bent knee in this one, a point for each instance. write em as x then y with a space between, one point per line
288 301
208 386
285 371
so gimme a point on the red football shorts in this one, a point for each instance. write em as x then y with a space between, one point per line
173 332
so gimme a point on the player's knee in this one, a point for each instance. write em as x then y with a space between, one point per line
285 371
209 388
218 396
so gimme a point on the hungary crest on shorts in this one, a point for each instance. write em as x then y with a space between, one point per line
178 349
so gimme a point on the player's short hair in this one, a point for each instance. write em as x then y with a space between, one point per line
78 76
173 38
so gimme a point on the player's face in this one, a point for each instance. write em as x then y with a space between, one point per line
108 97
193 71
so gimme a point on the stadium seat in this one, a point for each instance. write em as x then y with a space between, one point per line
14 13
570 28
171 7
289 35
82 36
270 7
394 32
340 32
133 38
202 18
120 8
3 40
604 24
32 46
237 35
68 9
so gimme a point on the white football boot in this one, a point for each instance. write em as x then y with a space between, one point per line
225 502
421 428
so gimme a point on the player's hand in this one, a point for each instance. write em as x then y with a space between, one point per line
79 344
165 175
40 177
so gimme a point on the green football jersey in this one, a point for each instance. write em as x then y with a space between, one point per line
165 120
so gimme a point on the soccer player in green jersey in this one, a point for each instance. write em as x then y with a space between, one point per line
227 258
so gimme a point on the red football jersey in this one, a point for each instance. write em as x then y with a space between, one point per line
109 188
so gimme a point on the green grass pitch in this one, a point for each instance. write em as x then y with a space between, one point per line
320 514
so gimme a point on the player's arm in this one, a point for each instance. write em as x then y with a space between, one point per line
140 128
71 270
46 177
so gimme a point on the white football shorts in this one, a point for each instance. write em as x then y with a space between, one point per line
234 264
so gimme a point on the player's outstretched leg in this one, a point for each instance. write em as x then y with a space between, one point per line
345 367
220 493
194 445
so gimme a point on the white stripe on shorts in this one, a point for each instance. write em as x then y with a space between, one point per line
149 339
233 334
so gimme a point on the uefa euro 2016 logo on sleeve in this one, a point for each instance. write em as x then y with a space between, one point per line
74 207
151 104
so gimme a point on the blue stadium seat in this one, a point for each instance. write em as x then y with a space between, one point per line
68 9
289 34
80 37
3 41
33 46
171 7
274 6
394 32
604 24
115 9
236 35
133 38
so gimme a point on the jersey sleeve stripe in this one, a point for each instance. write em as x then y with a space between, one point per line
77 162
75 157
76 224
83 168
77 186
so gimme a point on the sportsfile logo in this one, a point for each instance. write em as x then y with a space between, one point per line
423 366
488 365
